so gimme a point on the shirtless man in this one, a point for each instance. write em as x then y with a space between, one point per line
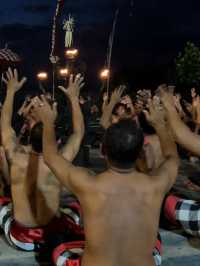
181 212
35 190
4 171
121 207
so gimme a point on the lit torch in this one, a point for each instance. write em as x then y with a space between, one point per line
42 76
64 72
105 73
71 53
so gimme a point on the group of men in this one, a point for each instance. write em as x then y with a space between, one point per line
120 207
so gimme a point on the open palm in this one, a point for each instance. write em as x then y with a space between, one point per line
12 81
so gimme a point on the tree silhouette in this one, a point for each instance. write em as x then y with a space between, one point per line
188 66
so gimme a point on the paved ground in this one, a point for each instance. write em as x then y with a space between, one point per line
178 249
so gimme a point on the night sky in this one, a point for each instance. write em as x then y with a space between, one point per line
148 37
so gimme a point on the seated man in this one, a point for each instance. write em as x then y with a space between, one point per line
121 206
35 191
181 212
176 211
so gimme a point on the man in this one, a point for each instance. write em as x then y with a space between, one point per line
180 212
184 136
121 207
4 172
35 190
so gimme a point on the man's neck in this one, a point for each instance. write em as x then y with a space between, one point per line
122 171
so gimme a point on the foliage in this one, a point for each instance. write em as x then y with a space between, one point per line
188 66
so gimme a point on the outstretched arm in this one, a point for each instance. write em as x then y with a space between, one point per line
107 111
8 134
183 135
168 171
72 147
74 178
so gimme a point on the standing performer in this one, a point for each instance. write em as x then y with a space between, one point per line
69 28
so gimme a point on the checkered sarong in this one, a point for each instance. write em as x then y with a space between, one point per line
70 253
33 239
188 215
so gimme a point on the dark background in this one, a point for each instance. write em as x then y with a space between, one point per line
149 36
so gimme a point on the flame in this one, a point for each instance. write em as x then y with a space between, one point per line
71 53
105 73
42 76
64 72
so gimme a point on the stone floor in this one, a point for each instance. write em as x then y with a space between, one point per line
178 250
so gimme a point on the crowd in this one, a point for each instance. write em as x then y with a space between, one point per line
115 217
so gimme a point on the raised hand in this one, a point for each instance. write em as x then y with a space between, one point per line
74 87
195 102
193 93
177 102
43 111
155 116
105 97
116 96
25 108
166 97
171 89
12 82
188 106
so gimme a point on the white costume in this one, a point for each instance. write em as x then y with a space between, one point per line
69 28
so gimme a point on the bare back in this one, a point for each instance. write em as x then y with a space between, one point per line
35 191
121 216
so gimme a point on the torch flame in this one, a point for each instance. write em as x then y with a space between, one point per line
64 72
42 76
71 53
105 73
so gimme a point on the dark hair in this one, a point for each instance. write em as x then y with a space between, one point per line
144 124
36 137
117 106
123 143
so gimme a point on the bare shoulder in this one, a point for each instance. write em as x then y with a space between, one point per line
166 174
81 178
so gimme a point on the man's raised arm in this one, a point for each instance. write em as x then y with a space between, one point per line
72 147
8 134
107 110
182 134
168 171
74 178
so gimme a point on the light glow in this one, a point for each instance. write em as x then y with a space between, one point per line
105 74
64 72
71 53
42 76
